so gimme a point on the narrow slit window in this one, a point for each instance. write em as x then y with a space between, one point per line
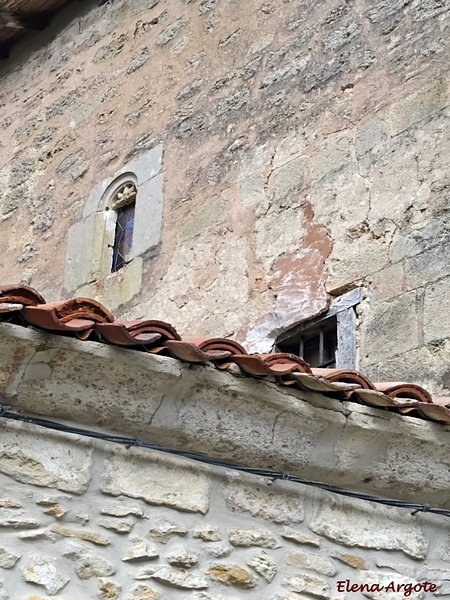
123 236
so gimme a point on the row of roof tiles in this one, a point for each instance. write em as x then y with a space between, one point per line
86 318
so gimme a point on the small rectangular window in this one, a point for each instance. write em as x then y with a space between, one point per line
123 236
316 344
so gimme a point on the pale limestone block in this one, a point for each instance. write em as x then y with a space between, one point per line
122 510
164 529
55 511
320 562
146 572
336 152
180 579
253 537
232 575
352 560
82 534
370 135
8 558
119 526
37 534
208 533
48 461
218 550
392 327
301 537
388 283
261 500
182 557
286 181
356 523
279 232
264 565
160 481
214 212
12 519
44 572
436 304
401 568
140 591
308 584
87 564
140 551
420 105
109 589
7 502
430 574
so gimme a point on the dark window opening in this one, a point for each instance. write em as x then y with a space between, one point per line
123 236
316 344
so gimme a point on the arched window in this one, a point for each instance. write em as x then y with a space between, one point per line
124 203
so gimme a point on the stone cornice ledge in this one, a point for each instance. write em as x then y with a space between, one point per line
237 418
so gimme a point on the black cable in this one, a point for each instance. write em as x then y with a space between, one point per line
274 475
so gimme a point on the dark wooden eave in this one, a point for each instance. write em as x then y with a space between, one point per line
19 17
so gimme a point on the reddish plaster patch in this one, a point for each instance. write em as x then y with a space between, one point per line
299 278
299 285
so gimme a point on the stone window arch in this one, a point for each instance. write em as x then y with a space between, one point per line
89 259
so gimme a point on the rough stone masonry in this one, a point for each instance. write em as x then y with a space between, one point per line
90 520
305 153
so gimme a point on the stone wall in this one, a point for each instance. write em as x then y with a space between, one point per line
306 152
84 519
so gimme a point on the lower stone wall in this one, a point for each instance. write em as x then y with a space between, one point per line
82 520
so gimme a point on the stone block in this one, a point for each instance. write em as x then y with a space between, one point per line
86 563
48 460
436 305
419 106
180 579
140 551
308 584
8 558
160 481
261 500
369 136
141 591
406 245
182 557
232 575
117 525
388 283
208 533
336 152
318 562
391 328
427 267
301 537
87 535
286 181
360 524
80 241
169 32
264 565
44 572
213 212
245 538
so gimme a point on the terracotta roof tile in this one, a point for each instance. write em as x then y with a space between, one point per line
84 318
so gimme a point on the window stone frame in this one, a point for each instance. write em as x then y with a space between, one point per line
343 307
90 240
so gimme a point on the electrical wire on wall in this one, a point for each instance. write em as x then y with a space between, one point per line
269 473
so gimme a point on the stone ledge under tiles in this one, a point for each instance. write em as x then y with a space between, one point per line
227 416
